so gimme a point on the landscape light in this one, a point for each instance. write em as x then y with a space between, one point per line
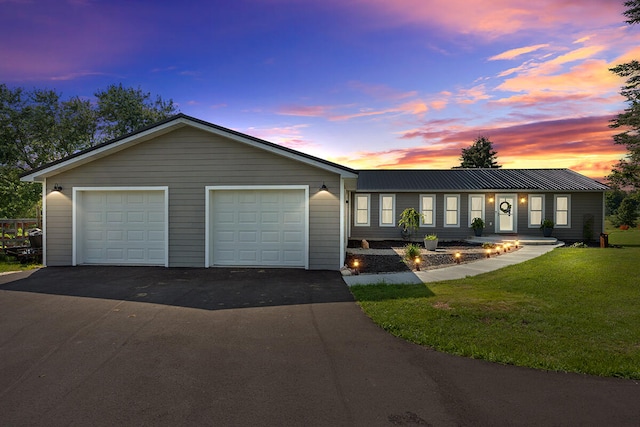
458 255
356 264
488 251
517 243
417 263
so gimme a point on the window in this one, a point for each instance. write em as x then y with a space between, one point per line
387 210
428 210
536 210
476 207
362 209
452 210
562 205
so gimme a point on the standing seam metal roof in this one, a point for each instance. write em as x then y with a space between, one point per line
476 179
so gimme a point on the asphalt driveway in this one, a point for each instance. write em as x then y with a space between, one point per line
154 346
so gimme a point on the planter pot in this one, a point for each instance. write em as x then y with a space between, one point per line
477 232
406 234
431 245
546 232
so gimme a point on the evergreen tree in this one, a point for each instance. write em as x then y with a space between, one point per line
479 155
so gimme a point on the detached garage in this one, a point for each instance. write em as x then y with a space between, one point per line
187 193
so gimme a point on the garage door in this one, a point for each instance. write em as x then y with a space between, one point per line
121 227
258 228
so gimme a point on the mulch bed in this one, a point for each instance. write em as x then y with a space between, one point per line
383 258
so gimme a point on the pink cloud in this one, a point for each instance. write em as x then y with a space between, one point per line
514 53
582 144
287 136
305 110
491 19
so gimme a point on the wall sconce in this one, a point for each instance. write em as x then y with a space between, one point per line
523 200
490 199
57 187
323 188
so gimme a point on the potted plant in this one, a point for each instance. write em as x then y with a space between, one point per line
547 227
431 242
478 225
410 222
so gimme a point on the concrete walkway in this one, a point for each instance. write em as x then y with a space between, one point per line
454 271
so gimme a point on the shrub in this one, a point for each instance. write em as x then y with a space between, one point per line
411 251
628 212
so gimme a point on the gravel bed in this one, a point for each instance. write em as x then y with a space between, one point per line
387 256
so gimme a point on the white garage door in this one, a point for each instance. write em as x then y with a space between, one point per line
121 227
258 228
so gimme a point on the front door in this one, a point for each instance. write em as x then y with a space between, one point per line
506 213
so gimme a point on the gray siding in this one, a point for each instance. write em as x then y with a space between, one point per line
187 160
583 205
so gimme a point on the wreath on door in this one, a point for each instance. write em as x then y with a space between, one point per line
505 207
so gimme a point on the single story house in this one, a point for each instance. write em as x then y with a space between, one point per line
187 193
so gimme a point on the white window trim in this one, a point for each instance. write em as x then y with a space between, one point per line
482 209
393 210
355 210
555 210
457 224
532 225
433 210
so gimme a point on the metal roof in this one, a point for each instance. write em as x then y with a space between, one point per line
476 180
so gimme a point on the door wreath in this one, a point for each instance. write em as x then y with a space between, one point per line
505 207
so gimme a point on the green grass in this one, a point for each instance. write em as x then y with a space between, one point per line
9 264
630 237
575 310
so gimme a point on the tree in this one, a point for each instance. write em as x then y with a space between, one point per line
124 110
627 212
626 173
37 127
612 200
632 12
479 155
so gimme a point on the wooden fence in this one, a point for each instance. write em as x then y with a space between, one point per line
15 232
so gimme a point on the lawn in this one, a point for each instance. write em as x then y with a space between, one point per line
573 309
9 264
629 237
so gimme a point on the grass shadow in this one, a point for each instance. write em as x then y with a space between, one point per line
383 292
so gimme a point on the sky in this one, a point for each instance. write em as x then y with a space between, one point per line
398 84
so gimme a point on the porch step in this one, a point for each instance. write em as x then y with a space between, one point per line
522 240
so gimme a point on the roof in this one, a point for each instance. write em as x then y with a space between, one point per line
168 125
476 180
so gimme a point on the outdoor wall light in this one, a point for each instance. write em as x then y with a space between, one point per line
57 187
323 188
523 200
490 199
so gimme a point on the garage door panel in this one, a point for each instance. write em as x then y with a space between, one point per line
122 227
256 227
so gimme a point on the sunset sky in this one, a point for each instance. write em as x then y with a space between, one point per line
365 83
